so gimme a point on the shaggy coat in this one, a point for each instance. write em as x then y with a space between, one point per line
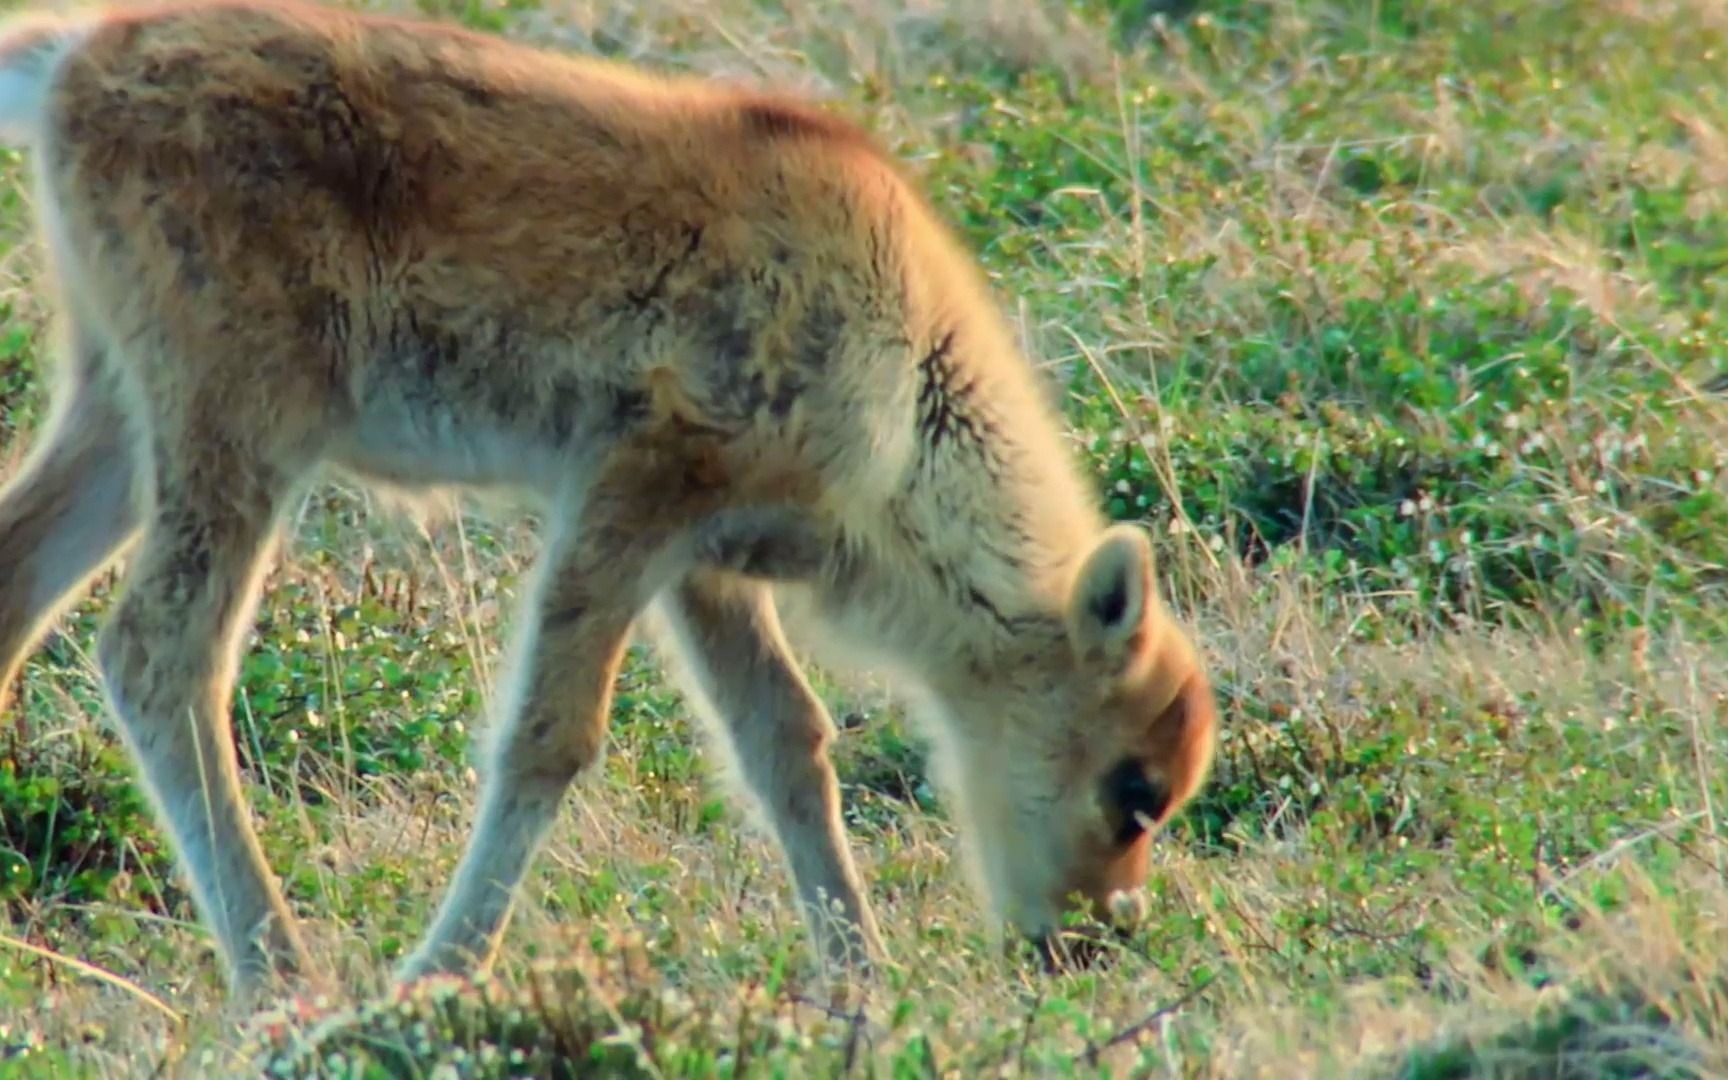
717 336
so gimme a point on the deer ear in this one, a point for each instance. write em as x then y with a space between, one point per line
1110 601
1185 735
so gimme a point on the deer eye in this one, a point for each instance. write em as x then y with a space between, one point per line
1134 800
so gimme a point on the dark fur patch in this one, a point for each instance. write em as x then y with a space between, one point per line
1131 795
942 415
563 618
818 337
655 288
785 120
470 90
182 238
627 408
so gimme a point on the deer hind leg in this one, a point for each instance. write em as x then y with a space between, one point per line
742 677
68 510
168 655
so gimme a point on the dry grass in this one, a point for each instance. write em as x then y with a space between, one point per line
1430 827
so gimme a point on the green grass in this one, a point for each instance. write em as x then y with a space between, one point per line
1390 319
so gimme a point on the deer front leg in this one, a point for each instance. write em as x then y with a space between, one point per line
742 673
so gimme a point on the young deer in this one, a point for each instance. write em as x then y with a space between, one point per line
718 336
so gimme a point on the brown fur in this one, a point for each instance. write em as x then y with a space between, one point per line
719 338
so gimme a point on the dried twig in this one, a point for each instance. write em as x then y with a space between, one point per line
1095 1051
99 974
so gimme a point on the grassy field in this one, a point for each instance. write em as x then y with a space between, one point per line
1395 319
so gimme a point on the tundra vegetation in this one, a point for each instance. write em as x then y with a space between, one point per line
1399 323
